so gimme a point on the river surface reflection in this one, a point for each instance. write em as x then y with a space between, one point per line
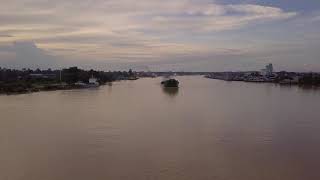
171 91
136 130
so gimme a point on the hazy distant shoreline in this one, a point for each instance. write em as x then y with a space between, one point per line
29 81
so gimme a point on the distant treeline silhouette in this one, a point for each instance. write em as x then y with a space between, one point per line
68 75
27 80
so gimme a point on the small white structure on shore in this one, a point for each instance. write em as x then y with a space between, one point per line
80 84
93 82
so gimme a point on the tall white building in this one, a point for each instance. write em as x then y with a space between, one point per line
269 69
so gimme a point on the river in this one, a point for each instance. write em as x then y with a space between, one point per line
136 130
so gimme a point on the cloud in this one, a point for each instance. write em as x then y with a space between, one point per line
101 22
210 17
26 55
315 19
5 36
131 31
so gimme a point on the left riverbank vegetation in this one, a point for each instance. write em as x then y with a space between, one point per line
13 81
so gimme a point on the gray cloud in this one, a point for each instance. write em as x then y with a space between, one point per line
184 32
5 35
27 55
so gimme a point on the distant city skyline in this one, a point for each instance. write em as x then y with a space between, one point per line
167 35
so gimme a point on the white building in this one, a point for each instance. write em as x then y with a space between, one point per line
93 81
268 71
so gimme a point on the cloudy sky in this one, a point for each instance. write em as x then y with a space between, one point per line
186 35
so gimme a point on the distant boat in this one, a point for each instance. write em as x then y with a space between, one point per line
80 84
93 82
132 78
170 83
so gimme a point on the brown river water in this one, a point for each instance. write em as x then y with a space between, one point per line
136 130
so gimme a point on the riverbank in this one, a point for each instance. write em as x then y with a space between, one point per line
14 81
24 88
282 78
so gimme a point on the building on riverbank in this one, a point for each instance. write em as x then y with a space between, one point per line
268 71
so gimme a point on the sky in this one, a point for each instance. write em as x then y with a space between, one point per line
161 35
